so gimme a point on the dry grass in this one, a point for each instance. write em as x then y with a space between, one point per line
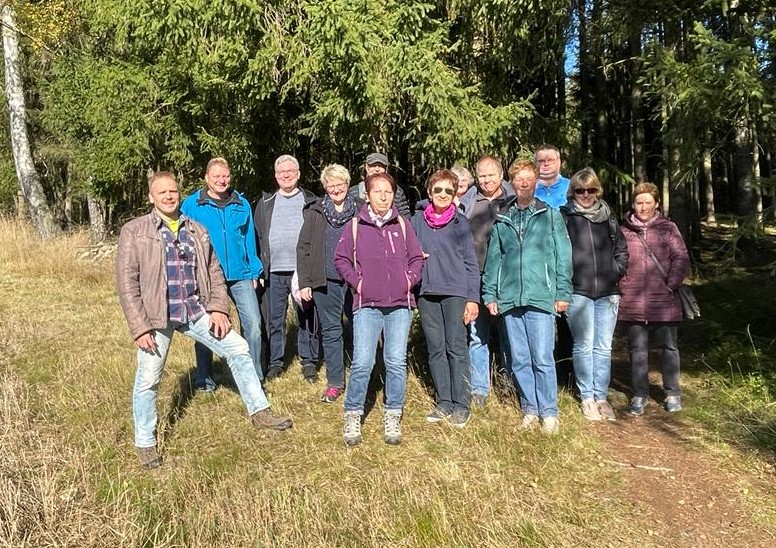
70 477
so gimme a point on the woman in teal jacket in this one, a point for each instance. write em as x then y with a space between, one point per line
527 279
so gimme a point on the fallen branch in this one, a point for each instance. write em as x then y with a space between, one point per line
640 466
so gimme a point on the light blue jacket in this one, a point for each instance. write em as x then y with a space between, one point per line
231 233
554 195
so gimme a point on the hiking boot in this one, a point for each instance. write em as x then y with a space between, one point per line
637 405
392 425
274 372
459 417
267 419
529 422
208 388
478 401
149 458
590 410
310 373
673 404
550 426
606 411
352 430
438 414
332 394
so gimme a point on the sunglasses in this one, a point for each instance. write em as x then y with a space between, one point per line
588 191
440 190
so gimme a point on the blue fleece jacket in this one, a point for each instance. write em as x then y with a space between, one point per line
554 195
451 268
231 232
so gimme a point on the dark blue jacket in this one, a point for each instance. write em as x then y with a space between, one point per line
451 268
231 233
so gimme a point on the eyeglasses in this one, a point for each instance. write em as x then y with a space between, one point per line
336 186
440 190
285 171
181 251
547 160
589 191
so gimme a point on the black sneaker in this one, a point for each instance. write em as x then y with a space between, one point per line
438 414
460 417
274 372
310 373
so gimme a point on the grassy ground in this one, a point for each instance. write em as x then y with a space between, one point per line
69 477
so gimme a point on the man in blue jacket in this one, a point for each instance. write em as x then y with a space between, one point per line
228 218
551 187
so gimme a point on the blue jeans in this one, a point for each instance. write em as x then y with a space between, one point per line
151 364
368 323
592 323
246 301
532 337
479 353
307 341
329 303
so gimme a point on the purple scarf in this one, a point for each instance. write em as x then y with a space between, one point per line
438 221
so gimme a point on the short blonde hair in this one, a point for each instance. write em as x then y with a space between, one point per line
217 162
647 188
335 171
161 175
520 165
586 178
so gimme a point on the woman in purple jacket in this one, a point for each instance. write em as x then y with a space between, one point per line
379 257
650 305
449 295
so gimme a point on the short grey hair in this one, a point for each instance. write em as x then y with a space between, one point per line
463 174
335 171
286 158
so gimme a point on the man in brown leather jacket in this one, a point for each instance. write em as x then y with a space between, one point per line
168 279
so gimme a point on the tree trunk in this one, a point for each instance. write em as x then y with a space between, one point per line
708 180
637 111
97 226
34 197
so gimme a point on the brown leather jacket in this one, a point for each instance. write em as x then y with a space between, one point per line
141 273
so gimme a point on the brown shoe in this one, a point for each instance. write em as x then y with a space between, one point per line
266 419
149 458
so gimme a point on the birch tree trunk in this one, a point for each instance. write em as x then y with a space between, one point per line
34 197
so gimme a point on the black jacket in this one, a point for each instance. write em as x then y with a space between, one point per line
599 254
262 219
311 249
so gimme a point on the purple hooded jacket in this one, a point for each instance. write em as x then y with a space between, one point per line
387 263
647 295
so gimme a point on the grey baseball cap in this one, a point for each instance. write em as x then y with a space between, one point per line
377 158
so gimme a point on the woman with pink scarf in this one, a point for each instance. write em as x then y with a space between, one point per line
449 293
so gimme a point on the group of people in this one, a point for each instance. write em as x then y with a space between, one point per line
480 255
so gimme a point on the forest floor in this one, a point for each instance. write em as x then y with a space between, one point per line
69 476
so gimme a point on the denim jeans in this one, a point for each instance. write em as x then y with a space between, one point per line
592 323
307 339
329 303
666 342
368 323
246 301
151 364
531 337
479 353
448 359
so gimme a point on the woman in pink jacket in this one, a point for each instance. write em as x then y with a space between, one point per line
650 305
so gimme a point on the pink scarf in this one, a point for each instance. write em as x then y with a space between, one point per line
438 221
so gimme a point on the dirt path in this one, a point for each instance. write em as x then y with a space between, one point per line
693 497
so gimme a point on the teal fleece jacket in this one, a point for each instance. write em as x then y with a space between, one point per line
529 259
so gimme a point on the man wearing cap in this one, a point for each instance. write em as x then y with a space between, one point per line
169 279
551 187
377 162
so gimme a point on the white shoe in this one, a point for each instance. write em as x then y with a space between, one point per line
392 424
550 425
529 421
590 410
352 430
